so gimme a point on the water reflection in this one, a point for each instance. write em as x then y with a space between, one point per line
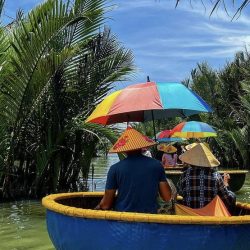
101 165
243 194
23 226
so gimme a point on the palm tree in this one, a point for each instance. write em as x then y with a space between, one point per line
241 136
223 90
56 68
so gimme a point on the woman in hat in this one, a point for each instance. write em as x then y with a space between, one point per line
201 182
169 157
138 178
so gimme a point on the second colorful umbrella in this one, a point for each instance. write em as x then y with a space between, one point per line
165 136
193 129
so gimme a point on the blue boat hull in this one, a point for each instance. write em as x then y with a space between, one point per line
76 233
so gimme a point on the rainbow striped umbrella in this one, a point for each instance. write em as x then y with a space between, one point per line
193 129
165 136
148 101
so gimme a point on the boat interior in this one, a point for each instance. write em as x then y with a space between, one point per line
90 202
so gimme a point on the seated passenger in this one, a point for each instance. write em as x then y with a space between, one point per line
169 157
201 182
138 178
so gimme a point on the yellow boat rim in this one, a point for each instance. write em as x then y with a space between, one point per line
232 171
51 202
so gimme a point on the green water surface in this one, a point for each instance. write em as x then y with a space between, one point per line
23 226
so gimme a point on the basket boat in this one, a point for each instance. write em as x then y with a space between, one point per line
73 224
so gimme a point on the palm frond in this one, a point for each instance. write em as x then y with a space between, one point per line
1 6
245 99
218 3
31 42
241 140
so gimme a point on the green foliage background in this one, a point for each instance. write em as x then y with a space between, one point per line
56 64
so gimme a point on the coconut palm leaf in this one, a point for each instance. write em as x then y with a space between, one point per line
223 3
60 67
241 140
44 154
100 132
30 47
96 134
245 99
31 42
104 62
1 6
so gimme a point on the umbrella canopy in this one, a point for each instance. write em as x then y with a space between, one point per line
148 101
165 136
193 129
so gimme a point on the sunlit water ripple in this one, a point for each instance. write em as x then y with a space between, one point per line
23 224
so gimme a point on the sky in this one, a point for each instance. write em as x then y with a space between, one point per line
168 42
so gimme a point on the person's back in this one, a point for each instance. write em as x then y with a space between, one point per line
169 160
137 180
199 186
201 182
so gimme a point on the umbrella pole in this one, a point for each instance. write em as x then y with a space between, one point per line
152 112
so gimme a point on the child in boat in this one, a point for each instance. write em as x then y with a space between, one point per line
169 157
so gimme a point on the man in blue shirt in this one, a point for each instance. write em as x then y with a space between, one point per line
138 178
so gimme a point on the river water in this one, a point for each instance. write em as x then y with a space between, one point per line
23 224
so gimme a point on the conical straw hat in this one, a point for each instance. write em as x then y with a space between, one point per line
166 148
131 140
200 156
189 146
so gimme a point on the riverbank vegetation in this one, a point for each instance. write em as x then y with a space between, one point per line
56 65
228 92
57 62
